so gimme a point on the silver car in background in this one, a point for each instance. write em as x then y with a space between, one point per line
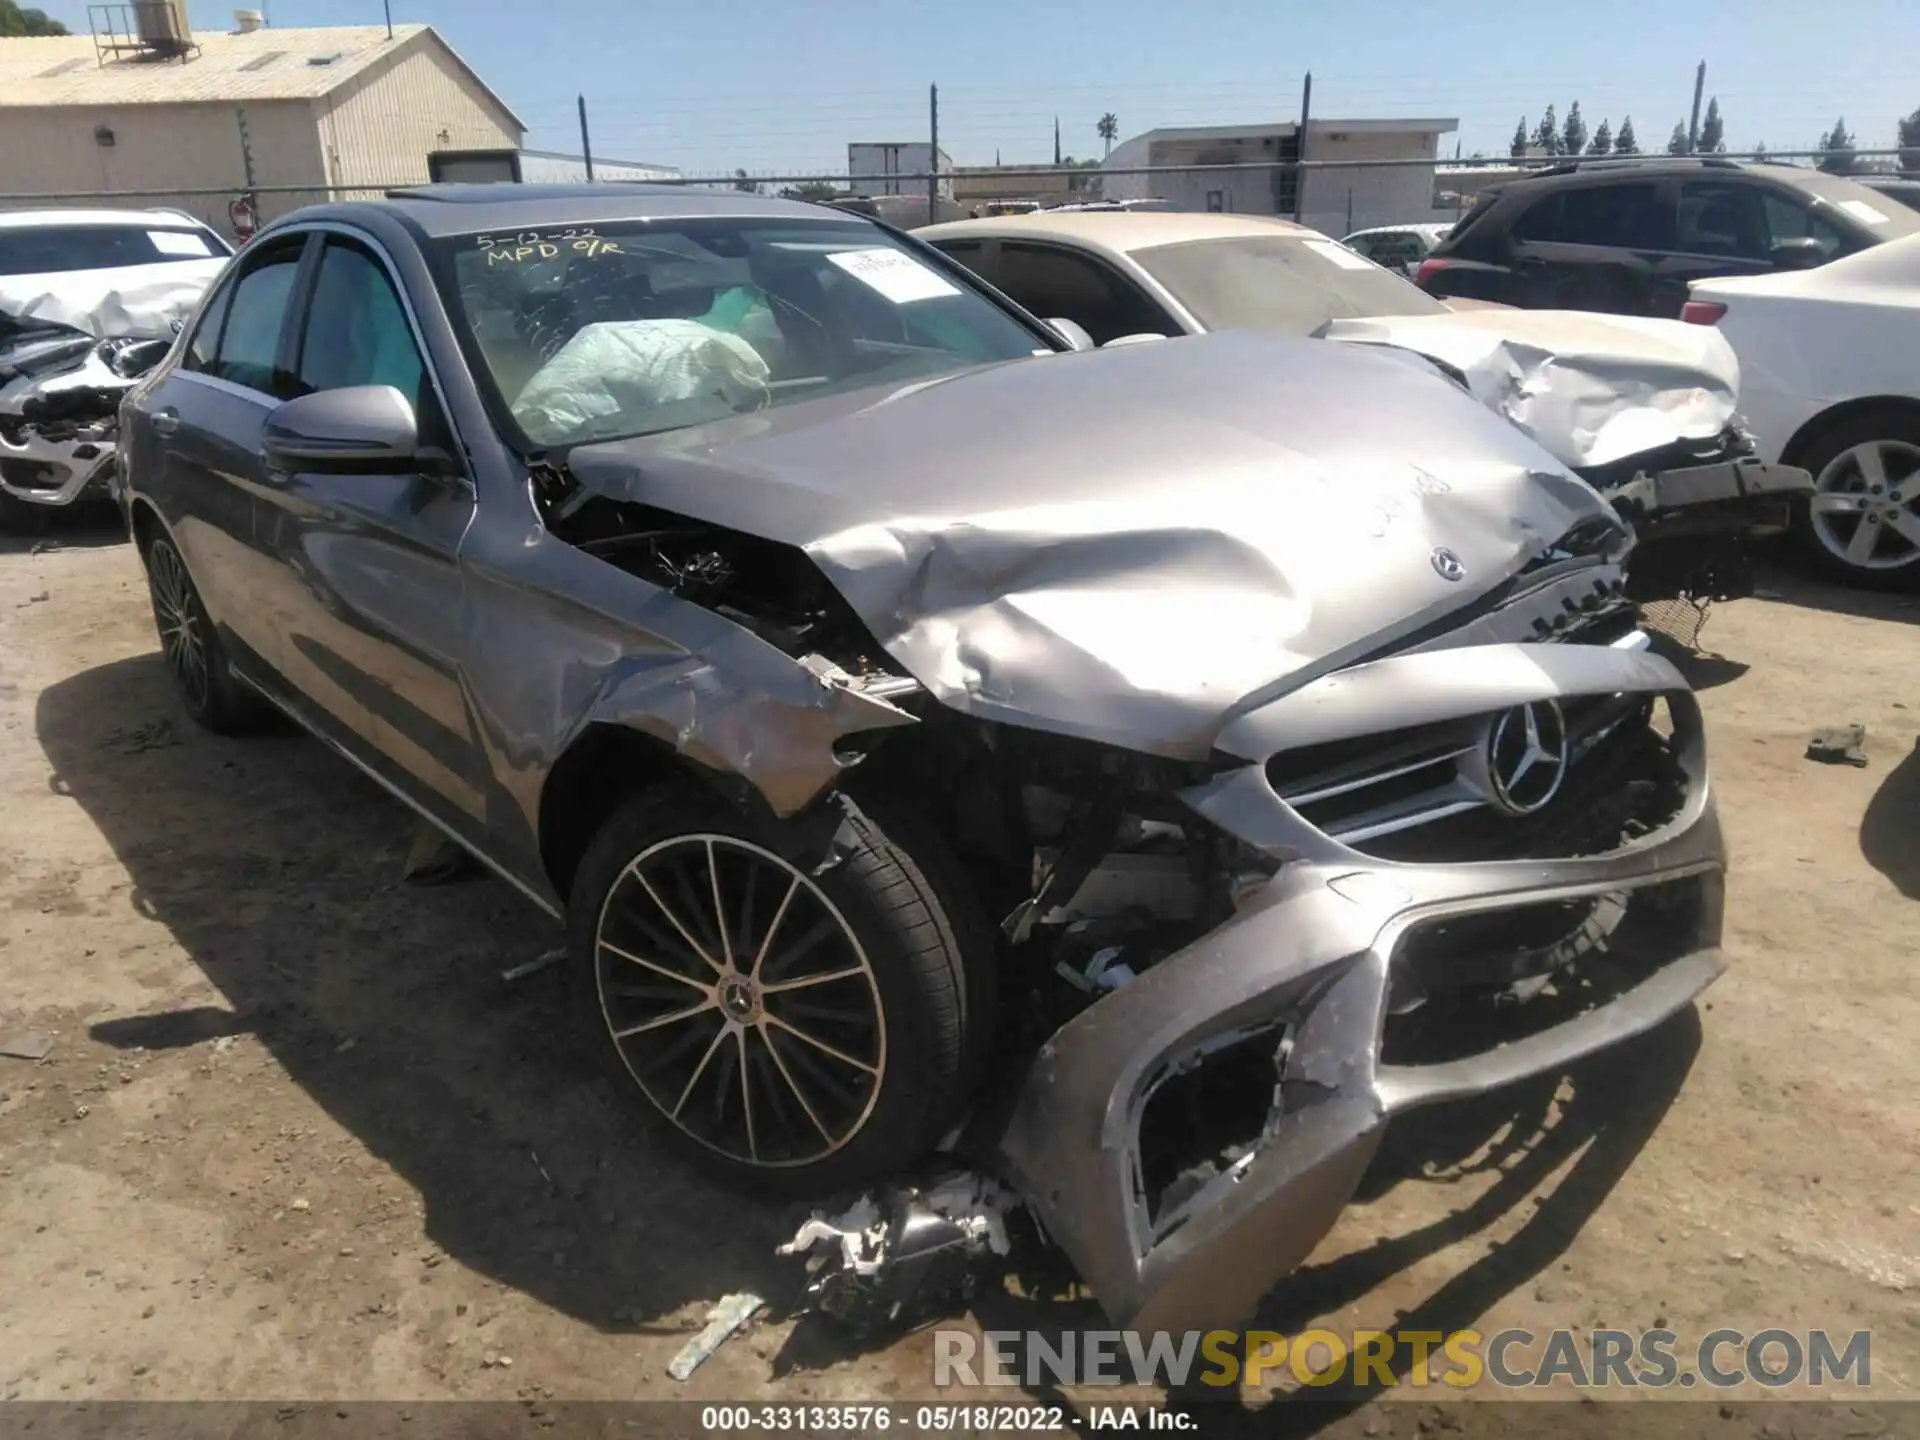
922 785
89 300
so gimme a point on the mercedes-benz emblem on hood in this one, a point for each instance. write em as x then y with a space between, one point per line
1527 757
1447 565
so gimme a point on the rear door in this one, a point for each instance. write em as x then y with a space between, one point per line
368 602
199 443
1593 246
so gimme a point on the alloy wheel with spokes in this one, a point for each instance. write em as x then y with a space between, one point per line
1865 509
741 1000
183 635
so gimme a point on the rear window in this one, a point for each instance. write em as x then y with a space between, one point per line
1879 215
1281 283
52 249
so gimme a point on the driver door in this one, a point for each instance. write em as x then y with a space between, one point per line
370 598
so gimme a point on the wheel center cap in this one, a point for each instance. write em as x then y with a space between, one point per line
738 997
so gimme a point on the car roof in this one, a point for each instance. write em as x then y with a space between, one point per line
1119 230
439 210
151 219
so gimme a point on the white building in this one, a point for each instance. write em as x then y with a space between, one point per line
158 111
885 162
1333 200
554 167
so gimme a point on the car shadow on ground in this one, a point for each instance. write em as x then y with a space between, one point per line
1890 830
1795 587
83 528
1589 1121
276 867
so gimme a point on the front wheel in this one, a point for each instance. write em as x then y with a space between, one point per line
799 1020
1862 522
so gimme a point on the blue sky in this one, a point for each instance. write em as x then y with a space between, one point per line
769 86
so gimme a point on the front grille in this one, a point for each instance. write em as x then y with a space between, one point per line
1421 795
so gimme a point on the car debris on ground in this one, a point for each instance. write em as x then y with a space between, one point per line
26 1045
1841 745
723 1320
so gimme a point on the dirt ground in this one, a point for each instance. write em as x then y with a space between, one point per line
297 1138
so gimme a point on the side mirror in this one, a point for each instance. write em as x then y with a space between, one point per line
364 428
1801 254
1134 339
1074 333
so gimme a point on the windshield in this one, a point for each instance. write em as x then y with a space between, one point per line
595 332
1879 214
55 249
1285 283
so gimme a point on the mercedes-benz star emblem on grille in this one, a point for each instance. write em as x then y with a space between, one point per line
1527 757
1447 565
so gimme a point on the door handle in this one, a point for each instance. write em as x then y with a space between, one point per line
166 422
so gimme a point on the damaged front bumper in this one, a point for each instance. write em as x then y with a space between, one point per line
1691 522
1745 494
1322 966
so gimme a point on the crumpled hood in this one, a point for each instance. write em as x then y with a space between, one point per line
1121 544
1592 389
140 301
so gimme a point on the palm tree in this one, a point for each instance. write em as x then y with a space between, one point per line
1108 129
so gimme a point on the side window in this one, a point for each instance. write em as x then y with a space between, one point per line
204 347
357 331
250 340
1540 221
1049 282
1619 217
967 252
1790 220
1724 220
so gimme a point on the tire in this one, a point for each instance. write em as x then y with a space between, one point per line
851 1076
1878 447
195 657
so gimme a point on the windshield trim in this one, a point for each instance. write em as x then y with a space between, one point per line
438 251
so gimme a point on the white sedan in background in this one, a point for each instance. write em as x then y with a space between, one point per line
1398 247
1830 369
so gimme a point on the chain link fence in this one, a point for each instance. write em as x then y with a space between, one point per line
1335 196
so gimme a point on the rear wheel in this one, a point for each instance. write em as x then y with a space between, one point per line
800 1025
195 657
1862 523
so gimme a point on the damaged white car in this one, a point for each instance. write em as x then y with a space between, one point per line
1644 410
1124 832
89 301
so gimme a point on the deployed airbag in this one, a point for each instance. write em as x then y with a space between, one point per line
638 376
144 301
1590 389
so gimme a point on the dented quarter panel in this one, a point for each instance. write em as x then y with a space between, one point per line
1591 389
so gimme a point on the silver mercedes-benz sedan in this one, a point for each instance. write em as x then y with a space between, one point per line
937 739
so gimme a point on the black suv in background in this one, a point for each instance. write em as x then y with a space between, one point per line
1625 236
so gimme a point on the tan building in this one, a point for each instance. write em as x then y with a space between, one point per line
164 110
1332 200
1051 186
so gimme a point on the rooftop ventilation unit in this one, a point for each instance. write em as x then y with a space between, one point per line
142 30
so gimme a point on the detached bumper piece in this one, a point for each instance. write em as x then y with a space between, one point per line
1189 1138
1693 523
